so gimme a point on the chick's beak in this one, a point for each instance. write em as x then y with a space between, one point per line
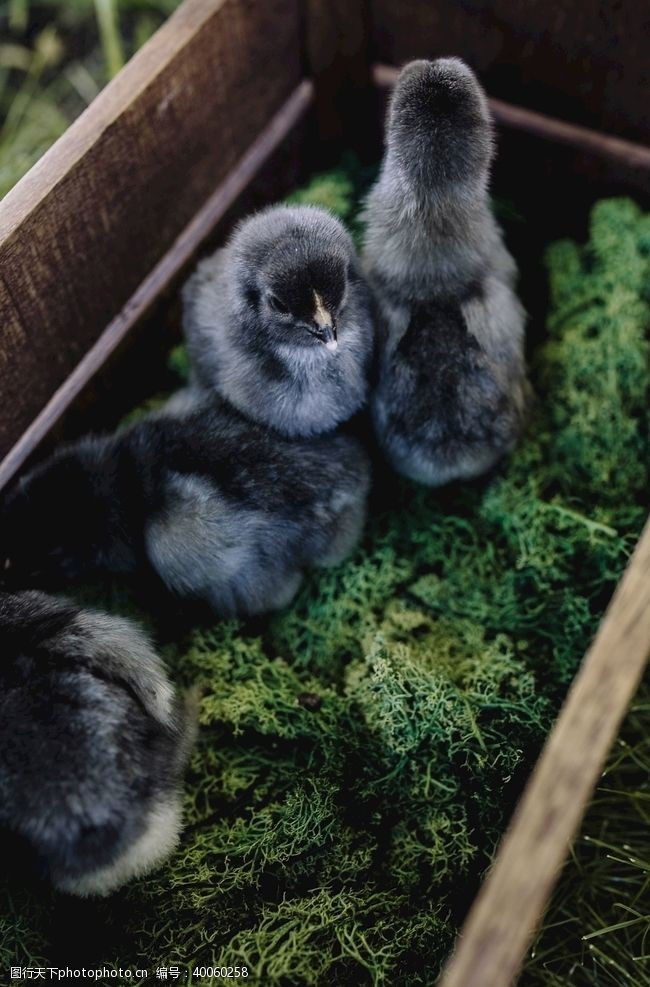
327 335
324 325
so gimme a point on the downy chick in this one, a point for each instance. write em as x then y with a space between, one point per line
452 392
222 510
279 321
93 743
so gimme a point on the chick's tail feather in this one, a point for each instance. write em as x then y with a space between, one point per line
71 515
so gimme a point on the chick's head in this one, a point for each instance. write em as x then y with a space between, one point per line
294 269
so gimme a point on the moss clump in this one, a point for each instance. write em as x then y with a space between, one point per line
360 752
331 190
340 191
600 299
178 363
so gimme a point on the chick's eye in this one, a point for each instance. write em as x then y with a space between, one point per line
277 305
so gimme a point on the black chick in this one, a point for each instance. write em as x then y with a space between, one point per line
93 743
222 510
452 391
279 321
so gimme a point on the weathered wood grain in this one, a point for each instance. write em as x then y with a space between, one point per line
509 906
586 61
92 219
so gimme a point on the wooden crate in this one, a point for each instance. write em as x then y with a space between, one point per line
223 109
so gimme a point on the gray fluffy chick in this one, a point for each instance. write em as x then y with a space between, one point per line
452 392
218 508
93 742
279 321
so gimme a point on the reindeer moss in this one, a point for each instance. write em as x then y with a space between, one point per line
360 753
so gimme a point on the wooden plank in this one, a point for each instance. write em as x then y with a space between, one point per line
159 277
11 370
510 904
91 220
627 154
586 62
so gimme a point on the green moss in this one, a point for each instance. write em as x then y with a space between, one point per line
179 364
331 190
341 191
596 360
360 752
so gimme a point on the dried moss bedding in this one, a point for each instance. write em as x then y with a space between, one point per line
360 753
